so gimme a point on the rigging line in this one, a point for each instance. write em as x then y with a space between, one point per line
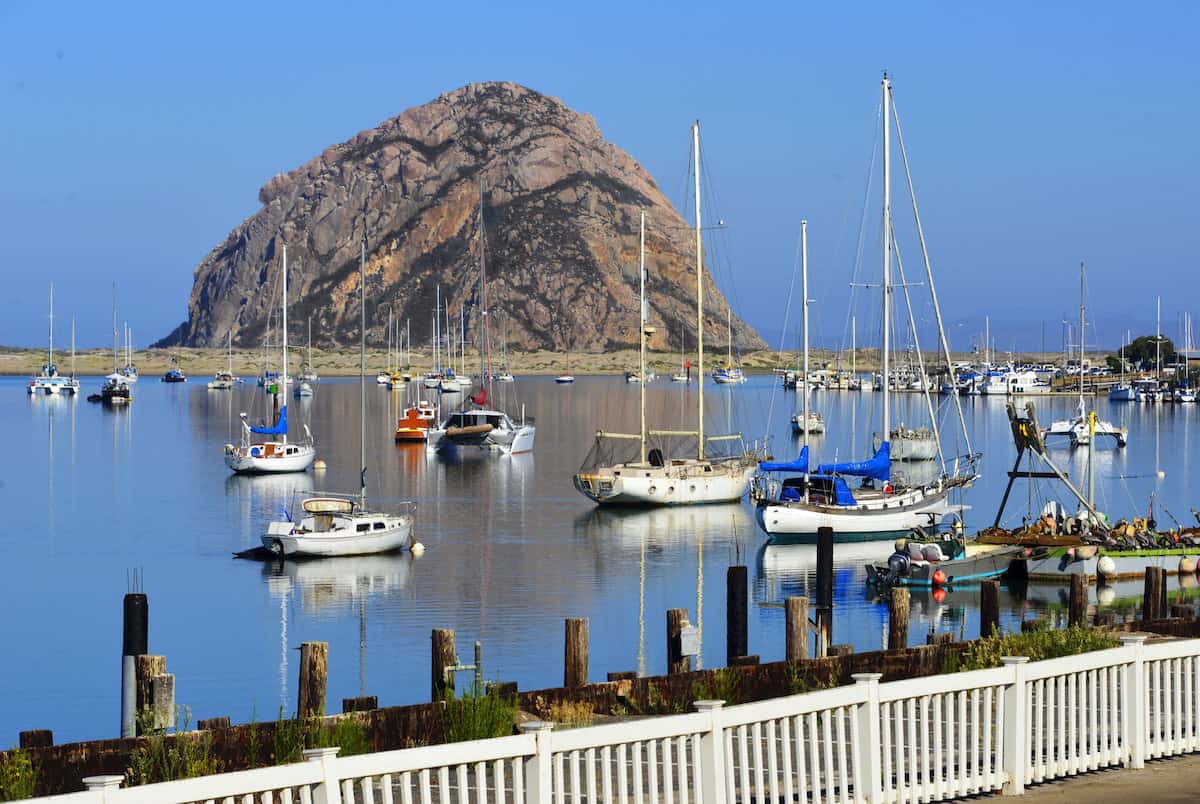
912 191
787 312
860 244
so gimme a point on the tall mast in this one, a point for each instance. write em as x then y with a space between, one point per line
72 346
853 347
887 255
310 343
230 369
699 290
50 351
362 369
437 330
485 348
1157 337
1081 339
115 345
283 320
642 332
804 308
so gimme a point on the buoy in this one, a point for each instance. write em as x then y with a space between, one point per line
318 465
1161 474
939 577
1106 567
1105 595
1187 566
939 595
418 549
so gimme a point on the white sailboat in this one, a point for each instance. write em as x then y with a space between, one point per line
483 427
730 373
224 380
129 371
796 506
341 524
654 476
807 421
1079 430
276 454
115 390
49 381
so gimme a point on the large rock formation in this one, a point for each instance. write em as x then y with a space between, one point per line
560 209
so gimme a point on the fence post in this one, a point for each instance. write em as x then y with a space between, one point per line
328 791
866 753
1133 682
103 786
1016 728
538 777
712 755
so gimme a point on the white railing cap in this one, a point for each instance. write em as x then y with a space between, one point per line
1010 660
865 678
106 782
708 706
535 726
315 754
1132 639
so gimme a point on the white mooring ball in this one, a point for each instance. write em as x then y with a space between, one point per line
418 549
1106 567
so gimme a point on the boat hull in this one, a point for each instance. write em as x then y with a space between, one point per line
799 522
248 463
284 540
663 486
958 571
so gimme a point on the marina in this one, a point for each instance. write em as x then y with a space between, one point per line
511 547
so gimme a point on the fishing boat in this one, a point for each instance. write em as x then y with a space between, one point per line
1080 431
48 381
341 524
483 426
174 373
414 425
793 500
612 474
276 454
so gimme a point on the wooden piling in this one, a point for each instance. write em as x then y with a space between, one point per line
944 638
898 619
1152 595
575 663
841 650
1077 603
1162 591
146 667
314 672
989 608
736 594
623 675
36 738
796 616
744 661
162 701
212 723
444 655
676 661
365 703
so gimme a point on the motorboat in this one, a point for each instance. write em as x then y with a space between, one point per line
816 424
414 425
566 378
942 563
483 428
338 526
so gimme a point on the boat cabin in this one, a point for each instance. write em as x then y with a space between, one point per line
822 490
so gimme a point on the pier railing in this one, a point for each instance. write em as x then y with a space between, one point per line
933 738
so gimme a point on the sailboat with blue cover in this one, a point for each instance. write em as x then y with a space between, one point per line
793 500
274 454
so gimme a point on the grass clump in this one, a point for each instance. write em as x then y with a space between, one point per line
572 713
478 716
18 776
1043 642
165 758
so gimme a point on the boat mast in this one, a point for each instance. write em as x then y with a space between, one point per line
804 308
115 344
281 386
72 347
362 370
1157 338
887 255
699 291
642 334
437 330
230 369
853 348
310 343
50 351
485 357
1081 324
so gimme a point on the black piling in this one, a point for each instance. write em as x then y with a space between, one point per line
736 641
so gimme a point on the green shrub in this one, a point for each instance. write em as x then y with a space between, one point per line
478 717
1041 643
165 758
18 776
288 740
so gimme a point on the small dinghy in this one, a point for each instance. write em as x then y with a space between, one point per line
939 563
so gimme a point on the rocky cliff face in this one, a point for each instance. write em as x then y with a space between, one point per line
560 213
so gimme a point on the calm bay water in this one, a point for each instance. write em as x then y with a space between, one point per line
90 494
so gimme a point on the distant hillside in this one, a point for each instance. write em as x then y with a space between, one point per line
561 216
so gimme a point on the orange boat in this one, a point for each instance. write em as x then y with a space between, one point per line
414 426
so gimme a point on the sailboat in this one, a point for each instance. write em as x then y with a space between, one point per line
129 371
883 505
308 372
729 374
115 390
278 455
48 380
685 367
341 524
566 377
505 374
224 380
174 373
484 427
1080 430
655 475
807 421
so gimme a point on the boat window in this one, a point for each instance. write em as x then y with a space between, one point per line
380 526
363 527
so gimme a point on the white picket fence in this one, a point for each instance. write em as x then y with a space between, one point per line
925 739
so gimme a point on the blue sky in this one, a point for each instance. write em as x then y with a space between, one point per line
136 135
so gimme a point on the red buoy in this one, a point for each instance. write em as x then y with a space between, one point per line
939 577
939 595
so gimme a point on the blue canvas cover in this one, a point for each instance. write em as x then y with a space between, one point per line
842 494
877 468
280 427
800 465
